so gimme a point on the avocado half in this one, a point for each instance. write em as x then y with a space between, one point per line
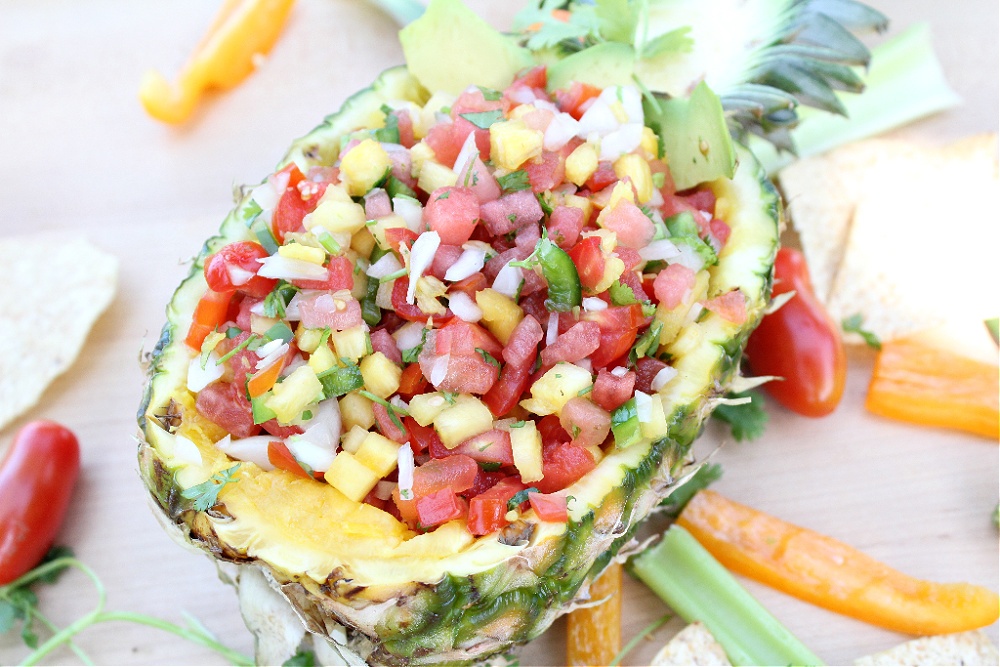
352 573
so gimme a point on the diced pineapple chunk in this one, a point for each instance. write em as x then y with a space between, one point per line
512 143
301 252
467 417
363 166
526 444
380 374
352 439
351 477
582 203
581 164
688 341
636 169
420 154
378 227
306 339
424 408
291 396
260 324
321 359
556 387
379 453
356 410
656 426
649 143
434 175
351 343
363 243
500 313
336 217
614 267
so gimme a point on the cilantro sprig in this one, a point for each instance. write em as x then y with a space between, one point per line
206 494
855 324
746 421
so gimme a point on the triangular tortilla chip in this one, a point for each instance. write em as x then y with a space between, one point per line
962 648
694 645
54 289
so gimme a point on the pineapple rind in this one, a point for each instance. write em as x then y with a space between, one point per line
491 593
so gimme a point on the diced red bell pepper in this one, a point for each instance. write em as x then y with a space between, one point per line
488 510
438 507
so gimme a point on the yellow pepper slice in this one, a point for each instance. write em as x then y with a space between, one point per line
243 32
831 574
593 634
918 382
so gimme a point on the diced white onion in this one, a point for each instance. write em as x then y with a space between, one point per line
421 256
621 141
643 407
469 151
522 95
619 371
186 451
552 330
656 201
464 307
593 304
598 118
292 313
269 347
198 378
386 265
470 261
316 457
271 355
508 280
409 335
266 195
694 313
324 429
586 364
404 465
662 249
562 128
398 402
383 298
410 210
665 375
252 449
439 369
632 102
287 268
687 256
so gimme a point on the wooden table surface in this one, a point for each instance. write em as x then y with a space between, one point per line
79 156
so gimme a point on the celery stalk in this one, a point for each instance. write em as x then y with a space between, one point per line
699 588
904 82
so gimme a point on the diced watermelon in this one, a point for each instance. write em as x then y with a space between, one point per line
452 212
646 369
438 507
564 225
549 507
633 228
610 391
602 177
485 480
493 446
562 465
382 341
523 343
460 337
339 276
226 404
548 171
324 310
377 204
456 473
588 423
446 140
511 212
731 306
582 339
387 426
673 284
478 178
445 256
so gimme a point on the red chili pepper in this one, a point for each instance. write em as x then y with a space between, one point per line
801 343
36 481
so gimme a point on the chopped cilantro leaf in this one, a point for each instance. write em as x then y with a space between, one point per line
520 497
483 119
276 302
410 356
487 357
279 331
855 324
747 421
206 494
621 294
514 181
489 94
389 134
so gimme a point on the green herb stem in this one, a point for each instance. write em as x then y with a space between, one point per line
645 632
699 588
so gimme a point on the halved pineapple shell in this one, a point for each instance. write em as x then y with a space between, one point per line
442 596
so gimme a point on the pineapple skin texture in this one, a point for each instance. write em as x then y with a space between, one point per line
470 612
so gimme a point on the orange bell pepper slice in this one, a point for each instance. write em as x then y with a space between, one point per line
593 634
243 32
210 312
926 384
830 574
262 381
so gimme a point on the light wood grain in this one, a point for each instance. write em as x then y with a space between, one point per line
80 157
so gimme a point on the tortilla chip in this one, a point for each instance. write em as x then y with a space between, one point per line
900 232
54 290
962 648
694 645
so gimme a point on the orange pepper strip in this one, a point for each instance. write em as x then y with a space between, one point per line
830 574
593 635
261 381
925 384
243 32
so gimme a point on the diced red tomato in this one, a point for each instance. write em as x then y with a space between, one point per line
549 507
387 426
396 237
438 507
731 306
536 77
339 276
504 395
234 268
588 257
210 312
485 480
673 284
572 99
452 212
422 438
562 465
281 457
551 431
298 199
619 326
471 285
488 510
602 177
610 391
226 404
412 382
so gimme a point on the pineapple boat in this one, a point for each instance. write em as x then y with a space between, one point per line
436 368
